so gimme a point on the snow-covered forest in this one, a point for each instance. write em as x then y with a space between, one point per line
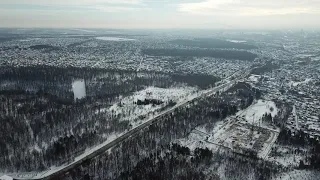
42 125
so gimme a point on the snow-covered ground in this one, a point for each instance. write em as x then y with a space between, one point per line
194 140
53 169
287 159
254 113
5 177
299 175
114 39
177 94
130 111
236 41
181 94
207 138
287 156
199 137
294 84
79 89
254 78
235 132
294 112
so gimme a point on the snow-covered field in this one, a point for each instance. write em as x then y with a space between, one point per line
236 41
254 113
114 39
294 84
200 137
130 111
236 132
5 177
79 89
254 78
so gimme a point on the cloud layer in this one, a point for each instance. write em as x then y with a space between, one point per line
251 7
161 13
69 2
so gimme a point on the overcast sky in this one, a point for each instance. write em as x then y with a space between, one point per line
144 14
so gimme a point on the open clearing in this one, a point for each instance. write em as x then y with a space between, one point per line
130 111
244 133
114 39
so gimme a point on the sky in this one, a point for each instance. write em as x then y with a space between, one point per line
161 14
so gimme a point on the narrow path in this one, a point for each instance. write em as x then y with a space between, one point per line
294 111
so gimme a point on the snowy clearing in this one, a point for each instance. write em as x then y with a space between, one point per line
236 41
114 39
5 177
237 133
294 112
130 111
254 78
254 113
294 84
79 89
200 137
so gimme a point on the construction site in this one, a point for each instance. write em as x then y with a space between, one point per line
245 133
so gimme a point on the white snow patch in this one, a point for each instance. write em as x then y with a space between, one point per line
29 39
254 113
294 112
79 89
44 145
131 111
294 84
254 78
192 141
5 177
200 137
236 41
35 148
114 39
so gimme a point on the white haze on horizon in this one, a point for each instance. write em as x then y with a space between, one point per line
163 14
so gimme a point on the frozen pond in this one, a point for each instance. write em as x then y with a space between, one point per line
114 39
236 41
79 89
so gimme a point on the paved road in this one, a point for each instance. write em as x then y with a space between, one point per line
134 131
